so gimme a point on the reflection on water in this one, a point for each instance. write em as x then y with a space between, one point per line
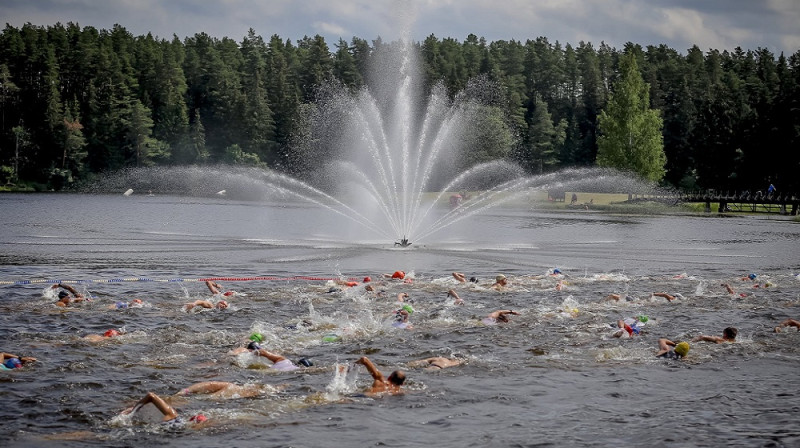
553 375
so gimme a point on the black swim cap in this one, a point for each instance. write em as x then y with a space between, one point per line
253 346
305 362
63 294
473 279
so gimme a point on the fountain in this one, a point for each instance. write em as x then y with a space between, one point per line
387 157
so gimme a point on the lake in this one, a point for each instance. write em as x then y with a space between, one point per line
553 376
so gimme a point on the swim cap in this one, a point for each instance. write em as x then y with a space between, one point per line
499 278
199 418
752 276
122 305
682 348
330 338
399 274
257 337
305 362
367 279
556 271
228 293
473 279
63 294
408 308
13 363
642 318
111 333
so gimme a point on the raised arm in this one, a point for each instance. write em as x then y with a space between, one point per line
376 374
706 338
215 288
158 402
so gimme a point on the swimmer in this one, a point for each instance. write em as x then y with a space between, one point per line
728 335
65 298
135 303
436 363
102 337
224 389
170 414
669 297
10 361
452 293
401 318
206 304
400 275
623 329
381 385
500 282
665 349
617 297
499 316
788 323
728 288
278 362
402 297
216 289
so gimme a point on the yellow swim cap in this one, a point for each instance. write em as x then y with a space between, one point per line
682 348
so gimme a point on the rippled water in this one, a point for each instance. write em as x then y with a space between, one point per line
554 376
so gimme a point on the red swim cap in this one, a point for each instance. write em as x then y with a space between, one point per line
351 283
199 418
111 333
367 279
399 274
228 293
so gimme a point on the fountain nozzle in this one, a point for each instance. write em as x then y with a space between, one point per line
403 242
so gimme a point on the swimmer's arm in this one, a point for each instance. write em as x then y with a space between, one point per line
714 339
9 356
376 374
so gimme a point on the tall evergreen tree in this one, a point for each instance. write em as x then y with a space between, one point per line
631 137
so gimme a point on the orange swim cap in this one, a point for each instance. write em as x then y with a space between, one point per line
111 333
399 274
351 283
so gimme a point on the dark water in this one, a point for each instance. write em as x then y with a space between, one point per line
554 376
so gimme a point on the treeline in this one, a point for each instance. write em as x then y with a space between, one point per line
77 102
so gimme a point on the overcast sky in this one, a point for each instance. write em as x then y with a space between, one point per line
710 24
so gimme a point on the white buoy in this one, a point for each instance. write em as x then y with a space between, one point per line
129 192
221 192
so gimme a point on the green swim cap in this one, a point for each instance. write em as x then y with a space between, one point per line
682 348
408 308
330 338
257 337
642 318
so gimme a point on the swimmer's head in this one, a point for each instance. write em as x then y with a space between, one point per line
253 346
367 279
256 337
222 304
399 274
500 278
111 333
752 276
13 363
556 271
642 318
730 333
305 362
121 305
63 294
682 349
407 308
199 418
473 279
397 378
228 293
137 301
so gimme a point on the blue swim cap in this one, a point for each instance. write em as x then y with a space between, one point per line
13 363
122 305
305 362
752 276
556 271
